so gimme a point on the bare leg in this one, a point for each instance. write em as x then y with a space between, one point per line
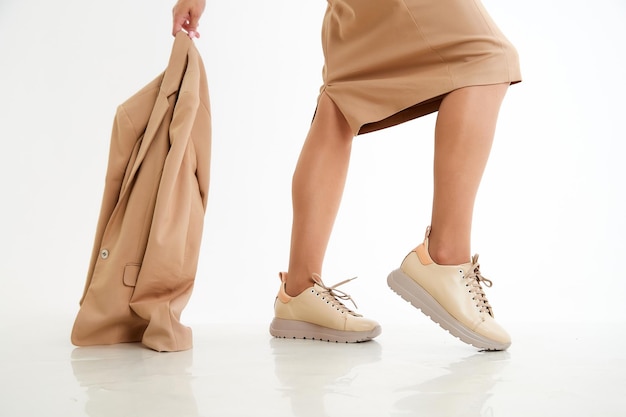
463 136
317 188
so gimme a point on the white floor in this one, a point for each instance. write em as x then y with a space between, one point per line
413 370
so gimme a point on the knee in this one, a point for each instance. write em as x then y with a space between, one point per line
328 117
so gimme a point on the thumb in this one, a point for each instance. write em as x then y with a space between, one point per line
179 22
193 21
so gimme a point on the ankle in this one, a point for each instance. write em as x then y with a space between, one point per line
443 255
294 287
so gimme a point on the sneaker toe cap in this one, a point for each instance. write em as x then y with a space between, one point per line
361 324
491 330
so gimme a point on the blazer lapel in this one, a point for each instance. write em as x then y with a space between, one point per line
170 84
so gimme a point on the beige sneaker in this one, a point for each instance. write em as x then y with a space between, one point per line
452 296
318 314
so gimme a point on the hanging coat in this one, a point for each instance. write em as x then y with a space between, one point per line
147 243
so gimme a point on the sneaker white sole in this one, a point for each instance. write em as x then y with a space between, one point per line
294 329
412 292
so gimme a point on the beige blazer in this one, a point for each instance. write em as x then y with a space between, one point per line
148 236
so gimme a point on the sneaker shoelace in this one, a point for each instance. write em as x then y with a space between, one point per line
334 295
474 279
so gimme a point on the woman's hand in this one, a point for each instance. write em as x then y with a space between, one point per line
186 15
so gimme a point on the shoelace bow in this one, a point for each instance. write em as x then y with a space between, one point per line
335 295
474 278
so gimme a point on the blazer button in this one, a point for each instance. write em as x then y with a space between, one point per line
104 253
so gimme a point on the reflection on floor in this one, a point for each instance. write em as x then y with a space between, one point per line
551 370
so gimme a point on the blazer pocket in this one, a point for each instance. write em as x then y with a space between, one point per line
131 272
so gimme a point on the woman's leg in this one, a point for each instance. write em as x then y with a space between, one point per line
304 307
318 184
439 277
463 136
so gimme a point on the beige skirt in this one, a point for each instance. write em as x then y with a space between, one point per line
390 61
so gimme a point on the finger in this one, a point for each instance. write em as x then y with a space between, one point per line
179 22
193 21
191 28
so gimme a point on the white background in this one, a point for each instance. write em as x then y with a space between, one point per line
549 222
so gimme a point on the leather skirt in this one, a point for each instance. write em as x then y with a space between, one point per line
390 61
